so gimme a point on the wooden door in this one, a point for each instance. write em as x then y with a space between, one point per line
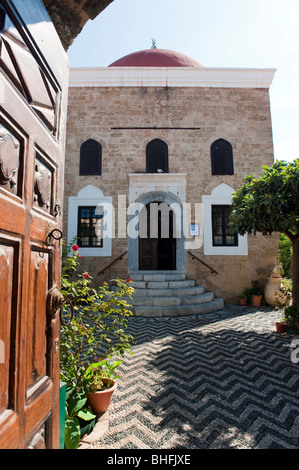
156 252
166 243
33 97
148 246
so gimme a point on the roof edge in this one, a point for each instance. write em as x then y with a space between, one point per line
171 77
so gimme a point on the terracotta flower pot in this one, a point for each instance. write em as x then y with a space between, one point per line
100 400
280 327
256 300
242 302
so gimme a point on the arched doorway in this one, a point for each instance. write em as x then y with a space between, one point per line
170 204
157 242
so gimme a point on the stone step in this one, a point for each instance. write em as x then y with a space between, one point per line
182 310
167 294
167 276
172 301
163 284
178 292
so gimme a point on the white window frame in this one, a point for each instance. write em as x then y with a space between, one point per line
91 196
221 195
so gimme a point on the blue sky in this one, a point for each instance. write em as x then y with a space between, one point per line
217 33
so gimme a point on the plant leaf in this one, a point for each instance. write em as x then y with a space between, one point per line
86 414
76 402
72 433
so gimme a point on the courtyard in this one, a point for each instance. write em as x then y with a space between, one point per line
223 380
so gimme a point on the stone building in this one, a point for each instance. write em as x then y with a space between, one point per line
156 145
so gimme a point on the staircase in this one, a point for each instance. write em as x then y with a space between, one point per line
169 294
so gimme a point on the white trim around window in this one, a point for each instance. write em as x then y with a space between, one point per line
221 195
91 196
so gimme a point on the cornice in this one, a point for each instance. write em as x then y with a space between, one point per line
171 77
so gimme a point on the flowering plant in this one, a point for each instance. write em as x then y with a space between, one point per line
95 334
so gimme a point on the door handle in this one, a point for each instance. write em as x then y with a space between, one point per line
56 302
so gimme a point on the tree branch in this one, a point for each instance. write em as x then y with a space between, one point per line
289 235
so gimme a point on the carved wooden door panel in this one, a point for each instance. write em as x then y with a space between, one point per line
33 96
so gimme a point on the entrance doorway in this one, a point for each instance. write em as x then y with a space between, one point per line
157 243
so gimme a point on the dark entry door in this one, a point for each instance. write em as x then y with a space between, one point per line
33 97
157 245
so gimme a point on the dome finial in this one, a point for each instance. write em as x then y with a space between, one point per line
154 43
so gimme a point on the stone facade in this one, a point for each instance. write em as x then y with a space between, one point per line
70 16
195 117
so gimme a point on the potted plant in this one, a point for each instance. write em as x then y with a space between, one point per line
101 384
245 297
280 326
257 293
95 334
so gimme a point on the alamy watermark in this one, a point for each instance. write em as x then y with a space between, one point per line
153 220
295 352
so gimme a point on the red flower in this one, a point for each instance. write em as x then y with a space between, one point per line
87 276
75 248
128 280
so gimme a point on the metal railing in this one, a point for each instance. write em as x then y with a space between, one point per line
125 252
112 262
202 262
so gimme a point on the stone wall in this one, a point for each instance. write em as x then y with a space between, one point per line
241 116
70 16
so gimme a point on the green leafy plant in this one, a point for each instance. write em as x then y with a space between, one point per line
283 297
245 294
256 288
285 256
270 204
95 334
98 371
76 411
248 292
291 315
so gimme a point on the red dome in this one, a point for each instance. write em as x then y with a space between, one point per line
155 58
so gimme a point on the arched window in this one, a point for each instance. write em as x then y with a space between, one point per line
157 157
90 158
222 158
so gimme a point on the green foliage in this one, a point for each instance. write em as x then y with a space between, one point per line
96 333
76 410
270 203
285 256
291 315
255 289
284 296
99 370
